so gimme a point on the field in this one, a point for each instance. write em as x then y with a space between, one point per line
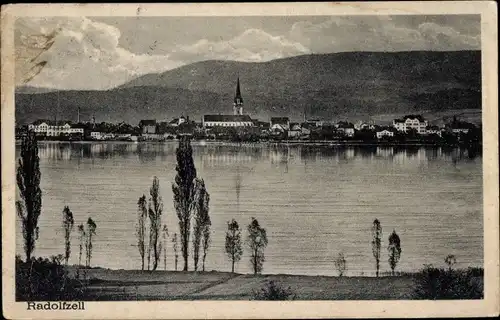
122 285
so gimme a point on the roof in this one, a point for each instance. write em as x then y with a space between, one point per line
51 123
226 118
147 123
280 120
390 129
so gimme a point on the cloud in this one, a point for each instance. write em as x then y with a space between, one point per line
253 45
84 55
379 33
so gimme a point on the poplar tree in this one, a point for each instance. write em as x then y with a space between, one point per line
155 211
28 181
68 225
233 243
257 241
142 214
184 192
201 219
376 243
91 231
394 249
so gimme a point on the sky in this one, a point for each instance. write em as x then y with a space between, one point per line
98 53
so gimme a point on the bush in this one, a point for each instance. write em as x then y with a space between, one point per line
437 283
274 291
45 280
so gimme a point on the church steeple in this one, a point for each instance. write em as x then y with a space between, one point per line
238 100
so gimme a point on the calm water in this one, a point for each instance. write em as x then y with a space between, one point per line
313 201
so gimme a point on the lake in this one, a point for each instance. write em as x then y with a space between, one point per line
314 201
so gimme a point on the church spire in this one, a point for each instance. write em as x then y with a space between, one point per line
238 100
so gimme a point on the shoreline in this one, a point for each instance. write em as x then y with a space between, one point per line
268 143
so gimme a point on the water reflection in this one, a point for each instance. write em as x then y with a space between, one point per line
279 156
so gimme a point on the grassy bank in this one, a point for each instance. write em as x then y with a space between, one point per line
169 285
43 280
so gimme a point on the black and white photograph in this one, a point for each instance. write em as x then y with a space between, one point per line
323 156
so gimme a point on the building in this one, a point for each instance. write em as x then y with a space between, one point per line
55 128
416 122
386 132
433 130
96 135
361 125
148 126
279 124
347 128
177 122
458 126
226 120
236 120
314 122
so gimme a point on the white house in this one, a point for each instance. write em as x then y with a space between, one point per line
415 122
96 135
384 133
54 128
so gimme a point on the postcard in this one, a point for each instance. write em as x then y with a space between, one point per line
250 160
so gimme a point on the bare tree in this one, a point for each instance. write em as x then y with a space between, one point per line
257 241
201 218
176 249
233 243
341 264
142 214
376 243
68 224
184 193
165 237
394 249
155 211
28 181
91 231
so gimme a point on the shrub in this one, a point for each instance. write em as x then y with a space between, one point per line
45 280
274 291
437 283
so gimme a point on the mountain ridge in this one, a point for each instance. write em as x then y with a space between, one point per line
326 86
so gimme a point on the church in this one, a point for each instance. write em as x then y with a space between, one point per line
237 119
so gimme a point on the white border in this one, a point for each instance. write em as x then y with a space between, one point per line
253 309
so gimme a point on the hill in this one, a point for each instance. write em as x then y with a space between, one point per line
327 86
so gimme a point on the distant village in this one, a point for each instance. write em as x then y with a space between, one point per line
239 126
